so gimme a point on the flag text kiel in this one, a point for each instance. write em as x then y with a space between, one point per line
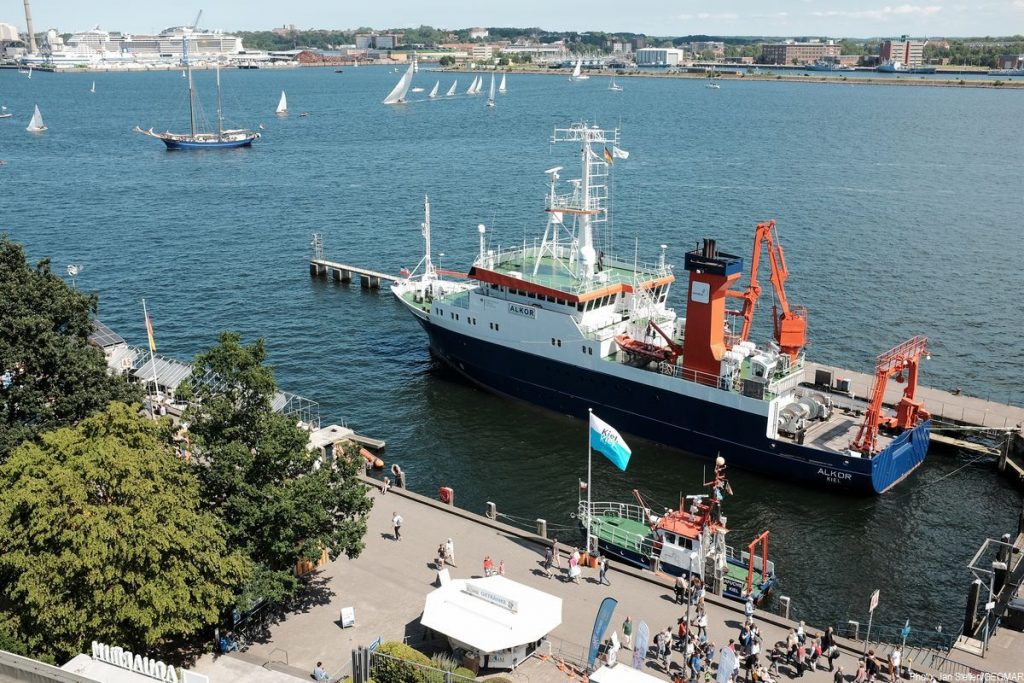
525 311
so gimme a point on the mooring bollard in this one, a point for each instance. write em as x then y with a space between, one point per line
492 511
784 603
542 528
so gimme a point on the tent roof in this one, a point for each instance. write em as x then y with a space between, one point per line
491 614
623 673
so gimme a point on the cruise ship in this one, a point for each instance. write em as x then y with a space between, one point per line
568 326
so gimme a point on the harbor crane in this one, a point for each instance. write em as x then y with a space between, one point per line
789 325
905 357
195 24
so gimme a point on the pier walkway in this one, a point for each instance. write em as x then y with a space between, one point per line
340 272
388 583
945 406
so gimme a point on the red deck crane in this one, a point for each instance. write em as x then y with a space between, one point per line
892 363
789 326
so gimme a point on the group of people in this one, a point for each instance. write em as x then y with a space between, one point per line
445 555
489 569
553 560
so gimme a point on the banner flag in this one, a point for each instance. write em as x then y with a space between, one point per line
605 439
604 616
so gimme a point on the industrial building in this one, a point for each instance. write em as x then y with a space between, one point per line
909 53
659 56
792 52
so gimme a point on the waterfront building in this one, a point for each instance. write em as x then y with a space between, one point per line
537 51
909 53
658 56
713 46
803 53
8 32
481 53
376 41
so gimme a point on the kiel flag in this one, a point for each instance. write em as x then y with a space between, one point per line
149 328
604 615
643 634
605 439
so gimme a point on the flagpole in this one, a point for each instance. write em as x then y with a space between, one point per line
152 361
590 454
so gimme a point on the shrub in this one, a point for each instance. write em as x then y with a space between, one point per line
443 661
399 666
463 672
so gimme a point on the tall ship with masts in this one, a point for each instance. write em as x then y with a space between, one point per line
568 325
222 138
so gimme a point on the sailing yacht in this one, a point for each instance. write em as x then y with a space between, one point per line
4 114
195 139
490 95
471 90
433 91
577 72
36 125
397 95
30 73
282 105
613 86
501 88
451 90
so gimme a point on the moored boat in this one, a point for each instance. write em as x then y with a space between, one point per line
569 326
687 541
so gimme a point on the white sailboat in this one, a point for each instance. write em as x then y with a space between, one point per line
93 88
433 91
472 87
613 86
30 73
36 125
397 95
577 72
451 90
490 95
501 88
4 114
282 105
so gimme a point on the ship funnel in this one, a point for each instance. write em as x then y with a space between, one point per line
710 248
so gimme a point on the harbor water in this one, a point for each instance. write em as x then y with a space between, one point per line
899 209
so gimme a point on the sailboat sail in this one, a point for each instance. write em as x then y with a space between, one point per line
451 90
490 95
397 95
578 70
433 91
282 104
93 88
501 88
36 124
470 90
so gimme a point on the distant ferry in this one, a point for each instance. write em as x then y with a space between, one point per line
1006 72
567 325
828 65
896 66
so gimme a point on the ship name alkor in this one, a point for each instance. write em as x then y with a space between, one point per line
576 328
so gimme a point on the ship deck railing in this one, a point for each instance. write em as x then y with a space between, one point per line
558 276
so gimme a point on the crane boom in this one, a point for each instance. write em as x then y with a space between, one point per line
789 326
195 24
892 363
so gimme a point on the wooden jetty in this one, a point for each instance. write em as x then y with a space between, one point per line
340 272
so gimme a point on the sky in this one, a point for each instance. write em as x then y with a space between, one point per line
831 18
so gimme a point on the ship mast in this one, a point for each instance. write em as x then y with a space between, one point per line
220 110
428 265
191 89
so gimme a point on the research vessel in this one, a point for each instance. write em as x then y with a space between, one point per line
569 326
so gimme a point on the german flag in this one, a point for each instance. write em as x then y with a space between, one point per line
608 156
149 328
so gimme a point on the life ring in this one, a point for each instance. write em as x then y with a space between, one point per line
446 494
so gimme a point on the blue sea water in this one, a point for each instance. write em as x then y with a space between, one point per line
899 208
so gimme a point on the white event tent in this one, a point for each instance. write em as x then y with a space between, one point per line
623 673
497 619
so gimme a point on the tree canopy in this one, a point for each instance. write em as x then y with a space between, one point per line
256 473
50 376
103 537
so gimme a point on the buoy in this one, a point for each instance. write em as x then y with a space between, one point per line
446 494
371 459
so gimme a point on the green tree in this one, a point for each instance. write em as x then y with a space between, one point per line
50 376
446 60
103 538
257 474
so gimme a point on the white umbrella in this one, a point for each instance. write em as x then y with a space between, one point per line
491 614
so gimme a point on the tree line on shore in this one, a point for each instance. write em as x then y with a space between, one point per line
118 527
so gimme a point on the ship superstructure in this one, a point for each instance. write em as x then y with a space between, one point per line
566 324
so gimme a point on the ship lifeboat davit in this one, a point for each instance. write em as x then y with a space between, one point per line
371 459
643 349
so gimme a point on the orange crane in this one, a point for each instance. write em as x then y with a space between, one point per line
892 363
789 326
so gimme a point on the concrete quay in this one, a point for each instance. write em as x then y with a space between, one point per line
388 583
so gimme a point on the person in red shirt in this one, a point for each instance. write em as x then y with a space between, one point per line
488 566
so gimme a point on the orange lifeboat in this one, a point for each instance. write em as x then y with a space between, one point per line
371 459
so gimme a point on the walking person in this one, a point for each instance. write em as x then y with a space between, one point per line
829 647
548 560
556 553
702 623
449 552
501 567
894 663
839 677
627 633
680 588
602 571
488 565
440 557
396 522
748 609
